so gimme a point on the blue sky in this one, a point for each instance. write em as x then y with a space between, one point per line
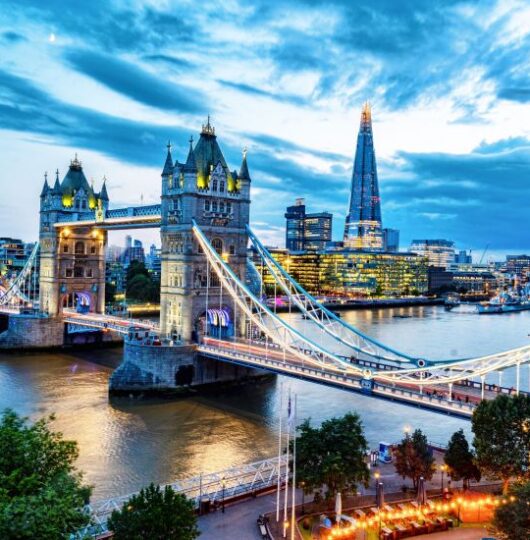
449 84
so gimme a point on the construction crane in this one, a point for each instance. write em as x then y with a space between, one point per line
484 253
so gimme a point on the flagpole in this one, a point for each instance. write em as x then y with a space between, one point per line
293 512
279 457
285 522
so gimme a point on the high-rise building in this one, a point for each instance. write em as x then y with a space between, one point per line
363 229
294 228
439 252
391 240
462 257
306 231
134 251
13 254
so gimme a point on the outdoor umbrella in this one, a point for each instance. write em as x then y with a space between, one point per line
338 506
421 497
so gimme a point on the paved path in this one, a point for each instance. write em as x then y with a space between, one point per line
239 520
457 534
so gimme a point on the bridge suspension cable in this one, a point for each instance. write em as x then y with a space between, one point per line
324 318
306 348
279 331
24 287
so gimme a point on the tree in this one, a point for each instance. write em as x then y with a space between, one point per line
141 287
41 493
512 520
502 437
332 455
460 460
110 292
155 514
414 458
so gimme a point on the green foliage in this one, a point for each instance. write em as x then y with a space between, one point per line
414 459
41 493
460 460
155 514
332 455
502 437
512 520
141 287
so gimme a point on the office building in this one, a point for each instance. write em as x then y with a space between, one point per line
13 254
440 253
348 273
462 257
391 240
363 228
518 266
306 231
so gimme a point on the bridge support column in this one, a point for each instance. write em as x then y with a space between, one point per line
450 391
32 332
482 379
517 377
500 379
169 369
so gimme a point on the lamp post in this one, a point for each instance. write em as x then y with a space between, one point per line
302 485
377 475
223 484
443 468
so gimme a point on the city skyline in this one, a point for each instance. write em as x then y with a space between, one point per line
452 144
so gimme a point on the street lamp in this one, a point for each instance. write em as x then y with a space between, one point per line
406 429
302 485
223 485
377 475
443 468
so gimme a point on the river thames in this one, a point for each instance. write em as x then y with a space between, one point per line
125 444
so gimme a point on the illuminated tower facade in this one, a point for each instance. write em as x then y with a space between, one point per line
363 229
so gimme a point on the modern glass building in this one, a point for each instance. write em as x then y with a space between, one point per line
439 253
348 273
363 228
306 231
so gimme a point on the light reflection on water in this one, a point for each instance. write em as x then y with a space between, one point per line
126 444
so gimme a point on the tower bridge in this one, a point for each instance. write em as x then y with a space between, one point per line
214 326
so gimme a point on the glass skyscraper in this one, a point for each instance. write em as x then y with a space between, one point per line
363 229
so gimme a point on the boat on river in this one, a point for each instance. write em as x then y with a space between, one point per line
507 302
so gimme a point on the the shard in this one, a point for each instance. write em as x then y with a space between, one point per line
363 229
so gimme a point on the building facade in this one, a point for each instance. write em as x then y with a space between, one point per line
13 255
391 240
363 228
440 253
72 261
203 189
306 231
348 273
518 266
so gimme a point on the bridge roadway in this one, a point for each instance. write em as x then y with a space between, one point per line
107 322
273 359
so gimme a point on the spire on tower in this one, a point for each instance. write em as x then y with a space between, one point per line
168 165
57 185
208 129
45 187
243 171
103 195
366 116
191 164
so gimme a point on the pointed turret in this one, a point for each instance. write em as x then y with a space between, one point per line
168 165
243 171
103 195
45 187
191 164
57 185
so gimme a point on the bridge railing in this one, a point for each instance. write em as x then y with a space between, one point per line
213 487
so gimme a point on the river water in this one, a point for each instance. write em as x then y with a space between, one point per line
125 444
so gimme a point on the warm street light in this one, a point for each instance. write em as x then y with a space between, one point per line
302 485
377 475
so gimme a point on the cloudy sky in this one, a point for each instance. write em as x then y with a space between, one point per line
449 84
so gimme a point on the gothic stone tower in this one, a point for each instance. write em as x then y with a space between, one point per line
72 260
203 188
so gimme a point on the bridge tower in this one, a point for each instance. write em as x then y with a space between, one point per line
203 189
72 260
